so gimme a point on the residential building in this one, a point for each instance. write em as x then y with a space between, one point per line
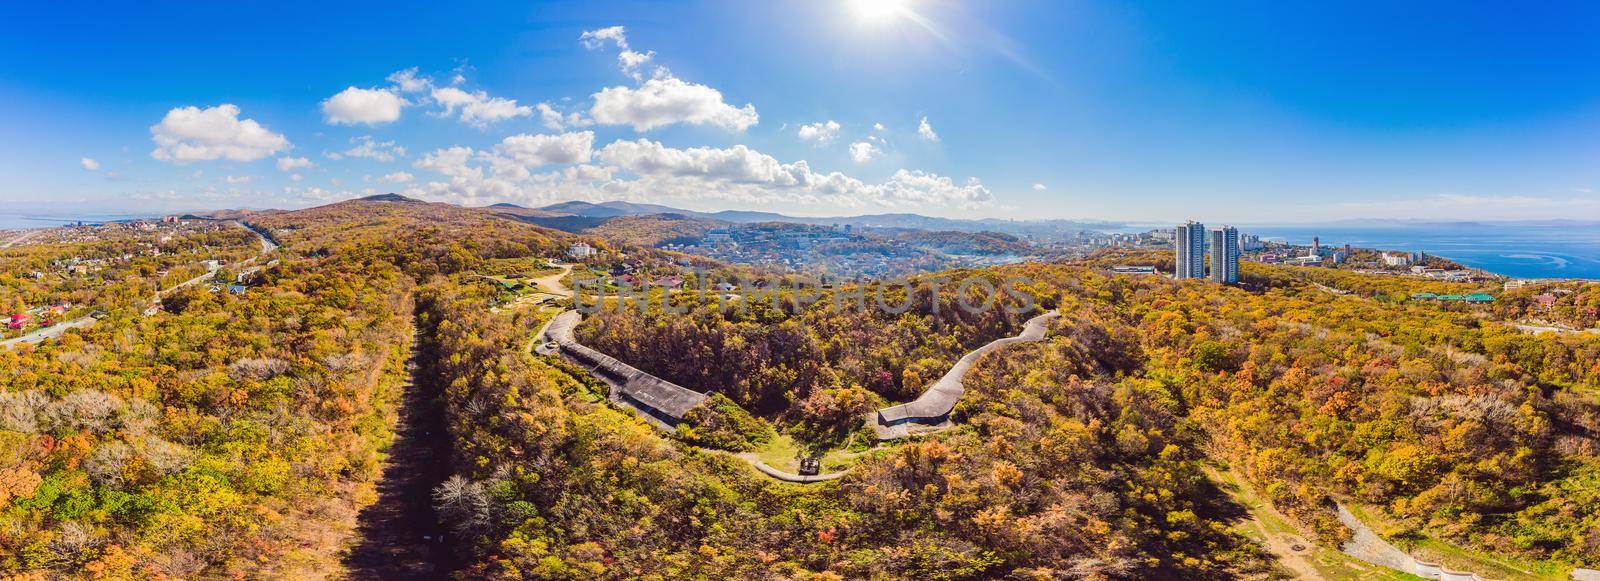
580 251
1396 259
1225 255
1191 242
1251 243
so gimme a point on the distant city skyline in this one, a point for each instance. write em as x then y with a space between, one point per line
1017 109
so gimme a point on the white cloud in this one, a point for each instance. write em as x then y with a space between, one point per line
190 134
317 195
863 152
366 147
293 163
474 108
398 177
408 81
541 150
665 101
631 61
296 177
877 127
925 131
1037 187
89 164
478 108
916 187
555 121
239 179
365 106
745 174
820 133
594 39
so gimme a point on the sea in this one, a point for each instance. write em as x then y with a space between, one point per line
1514 249
28 221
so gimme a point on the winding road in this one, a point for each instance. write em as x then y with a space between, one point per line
930 411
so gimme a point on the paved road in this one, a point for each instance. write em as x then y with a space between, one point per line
1540 329
941 397
764 468
51 332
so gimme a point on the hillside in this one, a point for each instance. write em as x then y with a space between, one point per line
261 433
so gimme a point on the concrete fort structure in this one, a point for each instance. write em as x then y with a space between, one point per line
658 400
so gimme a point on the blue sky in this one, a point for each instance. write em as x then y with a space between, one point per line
1230 111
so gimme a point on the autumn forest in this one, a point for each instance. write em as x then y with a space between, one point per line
250 423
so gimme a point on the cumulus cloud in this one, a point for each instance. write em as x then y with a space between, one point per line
189 134
293 163
877 127
541 150
89 164
505 173
668 100
556 121
644 170
239 179
362 106
478 108
925 131
409 81
662 100
863 152
743 173
594 39
820 133
398 177
632 61
1037 187
366 147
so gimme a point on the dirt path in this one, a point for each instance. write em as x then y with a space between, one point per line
1280 543
399 535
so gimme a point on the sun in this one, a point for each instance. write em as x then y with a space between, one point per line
879 10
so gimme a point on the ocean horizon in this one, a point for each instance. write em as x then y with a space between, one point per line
1514 249
42 220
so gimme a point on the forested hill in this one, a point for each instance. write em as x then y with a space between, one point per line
244 432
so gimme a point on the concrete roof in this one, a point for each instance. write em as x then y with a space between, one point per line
661 395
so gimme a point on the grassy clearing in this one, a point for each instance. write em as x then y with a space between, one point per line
784 453
1460 558
1328 563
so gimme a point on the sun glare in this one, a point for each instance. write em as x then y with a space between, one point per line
879 10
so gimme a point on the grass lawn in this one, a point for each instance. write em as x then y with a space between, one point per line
1461 558
784 453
